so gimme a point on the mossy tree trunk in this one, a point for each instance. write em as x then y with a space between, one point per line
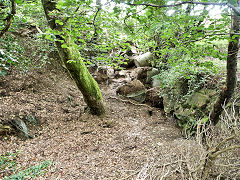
74 63
228 91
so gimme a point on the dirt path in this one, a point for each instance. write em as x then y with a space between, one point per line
82 146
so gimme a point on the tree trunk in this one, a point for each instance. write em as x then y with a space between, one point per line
75 65
228 91
9 18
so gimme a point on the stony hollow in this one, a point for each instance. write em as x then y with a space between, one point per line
119 90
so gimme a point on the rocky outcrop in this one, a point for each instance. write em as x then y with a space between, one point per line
189 109
188 105
198 105
172 97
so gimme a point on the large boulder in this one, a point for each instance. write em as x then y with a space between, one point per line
144 59
134 90
156 82
145 74
150 74
153 98
102 74
187 107
92 68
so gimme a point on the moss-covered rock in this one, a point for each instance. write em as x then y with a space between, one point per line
195 107
172 97
203 99
188 107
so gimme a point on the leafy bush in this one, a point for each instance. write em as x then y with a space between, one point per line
41 52
24 53
14 50
195 72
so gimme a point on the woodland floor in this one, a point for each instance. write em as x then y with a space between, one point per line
124 144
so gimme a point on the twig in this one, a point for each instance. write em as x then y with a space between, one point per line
130 175
171 163
214 155
227 165
39 30
223 142
165 175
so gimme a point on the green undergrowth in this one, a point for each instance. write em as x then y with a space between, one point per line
24 53
194 73
11 170
10 54
188 88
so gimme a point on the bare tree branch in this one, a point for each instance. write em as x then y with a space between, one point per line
99 8
224 142
236 10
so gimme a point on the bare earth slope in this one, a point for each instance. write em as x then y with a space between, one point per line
121 145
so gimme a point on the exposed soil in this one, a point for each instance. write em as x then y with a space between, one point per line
80 145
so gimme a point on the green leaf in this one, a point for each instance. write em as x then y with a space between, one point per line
64 46
204 120
49 37
59 22
71 61
18 1
116 10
